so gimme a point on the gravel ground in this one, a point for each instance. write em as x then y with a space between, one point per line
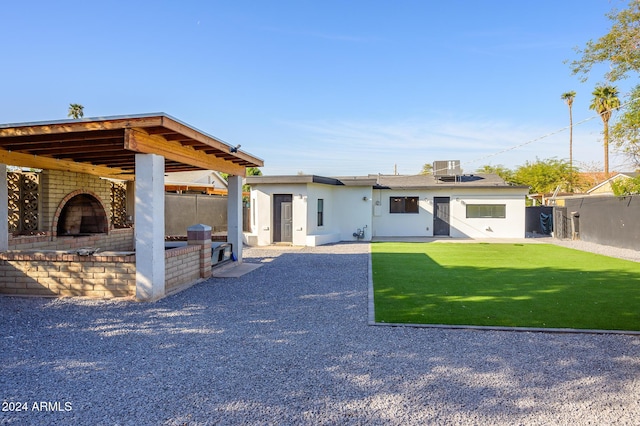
621 253
289 344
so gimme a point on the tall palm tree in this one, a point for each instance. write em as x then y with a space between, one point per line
568 98
76 111
605 101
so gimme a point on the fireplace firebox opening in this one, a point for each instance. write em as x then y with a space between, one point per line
82 214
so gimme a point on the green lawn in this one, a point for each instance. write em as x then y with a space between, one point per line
513 285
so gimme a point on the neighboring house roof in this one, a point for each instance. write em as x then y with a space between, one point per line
549 198
583 181
390 181
297 179
429 181
197 177
605 186
204 181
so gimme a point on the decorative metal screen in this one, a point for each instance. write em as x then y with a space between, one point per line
23 191
119 205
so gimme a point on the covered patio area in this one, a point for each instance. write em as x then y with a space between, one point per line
77 156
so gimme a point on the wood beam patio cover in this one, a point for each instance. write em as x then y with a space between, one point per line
107 146
139 141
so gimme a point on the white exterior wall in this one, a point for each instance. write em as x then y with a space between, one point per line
260 219
299 200
328 232
352 212
345 210
315 192
512 226
386 224
262 206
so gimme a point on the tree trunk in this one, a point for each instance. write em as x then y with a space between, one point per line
606 149
570 149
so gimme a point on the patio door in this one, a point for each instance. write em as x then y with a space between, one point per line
282 218
441 226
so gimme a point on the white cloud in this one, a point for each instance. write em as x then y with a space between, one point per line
363 147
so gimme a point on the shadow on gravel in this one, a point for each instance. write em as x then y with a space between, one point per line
289 344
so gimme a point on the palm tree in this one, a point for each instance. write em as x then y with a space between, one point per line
76 111
605 101
568 98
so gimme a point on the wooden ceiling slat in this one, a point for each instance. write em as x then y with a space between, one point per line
102 145
26 160
83 137
115 157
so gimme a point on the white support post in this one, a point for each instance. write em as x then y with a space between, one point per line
234 215
4 209
149 227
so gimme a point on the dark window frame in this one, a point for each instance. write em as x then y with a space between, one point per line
320 208
404 205
486 211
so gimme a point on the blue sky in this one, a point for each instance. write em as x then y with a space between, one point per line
325 87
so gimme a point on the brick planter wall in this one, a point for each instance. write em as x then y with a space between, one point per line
116 240
61 274
57 273
182 267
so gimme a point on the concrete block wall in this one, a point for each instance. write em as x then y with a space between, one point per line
183 210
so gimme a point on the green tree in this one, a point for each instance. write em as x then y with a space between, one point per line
249 171
605 101
568 97
619 48
75 111
623 187
504 173
625 132
543 176
254 171
427 169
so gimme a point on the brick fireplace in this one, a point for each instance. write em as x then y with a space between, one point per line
59 259
80 213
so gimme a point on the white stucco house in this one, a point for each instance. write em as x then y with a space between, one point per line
310 210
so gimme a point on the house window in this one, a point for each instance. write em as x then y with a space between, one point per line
320 212
253 212
477 211
403 205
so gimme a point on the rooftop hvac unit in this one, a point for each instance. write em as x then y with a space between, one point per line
447 169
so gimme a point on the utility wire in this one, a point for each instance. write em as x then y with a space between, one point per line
548 134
